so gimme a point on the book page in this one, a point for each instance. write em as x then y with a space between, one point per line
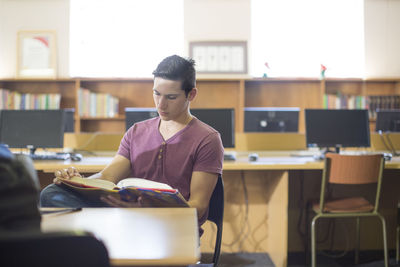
143 183
79 181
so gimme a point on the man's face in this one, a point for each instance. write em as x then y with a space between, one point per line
169 98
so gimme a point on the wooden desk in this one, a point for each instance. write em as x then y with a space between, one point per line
269 182
137 236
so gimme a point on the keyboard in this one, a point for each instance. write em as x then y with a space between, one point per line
58 156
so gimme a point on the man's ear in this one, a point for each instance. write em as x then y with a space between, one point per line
192 94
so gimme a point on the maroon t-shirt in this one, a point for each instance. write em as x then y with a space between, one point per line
197 147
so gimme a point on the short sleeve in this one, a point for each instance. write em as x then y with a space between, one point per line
124 146
210 155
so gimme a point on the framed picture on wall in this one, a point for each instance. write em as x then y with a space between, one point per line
36 54
228 57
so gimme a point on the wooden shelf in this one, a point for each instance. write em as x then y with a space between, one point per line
118 118
237 92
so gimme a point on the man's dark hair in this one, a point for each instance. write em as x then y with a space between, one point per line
177 68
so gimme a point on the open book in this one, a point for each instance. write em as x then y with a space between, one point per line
153 194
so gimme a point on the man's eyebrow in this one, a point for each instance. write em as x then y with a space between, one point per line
166 94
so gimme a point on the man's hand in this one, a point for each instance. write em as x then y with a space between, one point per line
65 174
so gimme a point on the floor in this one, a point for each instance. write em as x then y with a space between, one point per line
367 259
241 260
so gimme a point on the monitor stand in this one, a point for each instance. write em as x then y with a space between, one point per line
32 150
321 156
389 145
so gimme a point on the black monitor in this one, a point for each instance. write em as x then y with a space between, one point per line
271 119
388 120
134 115
221 119
337 128
69 124
32 128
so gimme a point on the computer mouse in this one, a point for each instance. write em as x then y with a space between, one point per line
253 157
75 157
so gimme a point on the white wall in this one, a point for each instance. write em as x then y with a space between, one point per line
217 20
16 15
382 38
204 20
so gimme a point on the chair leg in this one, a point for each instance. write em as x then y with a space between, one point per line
307 236
357 242
314 242
385 249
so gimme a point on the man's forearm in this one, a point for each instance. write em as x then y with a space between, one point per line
201 209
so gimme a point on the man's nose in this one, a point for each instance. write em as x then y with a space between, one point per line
162 103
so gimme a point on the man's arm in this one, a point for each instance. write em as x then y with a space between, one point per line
117 169
201 189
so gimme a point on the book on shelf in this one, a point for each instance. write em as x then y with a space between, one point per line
15 100
340 101
387 102
153 194
92 104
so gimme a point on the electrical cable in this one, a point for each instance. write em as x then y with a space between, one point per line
302 209
257 238
345 251
86 144
394 153
384 142
246 216
246 221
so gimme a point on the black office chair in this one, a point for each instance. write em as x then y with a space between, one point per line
216 215
63 249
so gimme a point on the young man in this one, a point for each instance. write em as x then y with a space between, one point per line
174 148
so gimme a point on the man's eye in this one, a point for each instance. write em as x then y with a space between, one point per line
171 97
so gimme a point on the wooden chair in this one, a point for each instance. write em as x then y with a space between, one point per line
349 170
64 249
216 215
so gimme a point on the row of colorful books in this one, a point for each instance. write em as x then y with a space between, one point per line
345 102
14 100
93 104
372 103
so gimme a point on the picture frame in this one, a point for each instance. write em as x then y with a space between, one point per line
219 57
36 54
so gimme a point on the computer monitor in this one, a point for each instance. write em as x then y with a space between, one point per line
32 128
337 128
222 120
388 120
134 115
271 119
69 125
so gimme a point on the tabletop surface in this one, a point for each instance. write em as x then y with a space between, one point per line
136 236
267 160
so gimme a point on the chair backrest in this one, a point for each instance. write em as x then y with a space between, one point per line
216 215
19 193
353 170
65 249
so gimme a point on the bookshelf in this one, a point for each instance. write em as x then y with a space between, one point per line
235 93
